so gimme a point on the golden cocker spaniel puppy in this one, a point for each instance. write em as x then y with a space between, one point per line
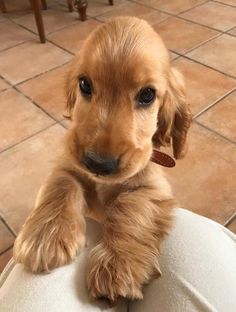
125 100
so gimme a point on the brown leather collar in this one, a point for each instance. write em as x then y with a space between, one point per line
162 159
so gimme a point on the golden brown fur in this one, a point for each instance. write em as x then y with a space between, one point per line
134 205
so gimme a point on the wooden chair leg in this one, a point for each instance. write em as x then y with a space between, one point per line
81 6
44 4
2 6
111 2
38 18
70 5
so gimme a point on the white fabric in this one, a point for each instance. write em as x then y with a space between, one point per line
198 263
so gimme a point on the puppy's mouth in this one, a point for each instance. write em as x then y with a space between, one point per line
106 175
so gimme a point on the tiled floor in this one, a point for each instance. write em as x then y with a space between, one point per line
201 36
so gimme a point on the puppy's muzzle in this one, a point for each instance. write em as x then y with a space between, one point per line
102 165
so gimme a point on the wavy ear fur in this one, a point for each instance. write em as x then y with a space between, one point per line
71 86
174 117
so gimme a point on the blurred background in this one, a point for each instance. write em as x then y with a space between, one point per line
201 38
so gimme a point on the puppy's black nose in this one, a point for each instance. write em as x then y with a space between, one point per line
100 164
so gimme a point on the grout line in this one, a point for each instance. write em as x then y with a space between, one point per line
8 248
49 33
60 122
72 24
209 27
232 35
134 2
179 54
58 46
6 81
200 4
24 27
95 18
215 132
170 15
40 74
178 14
29 137
230 220
220 32
168 12
199 24
32 102
231 27
47 40
63 27
16 45
202 43
208 66
35 104
10 229
213 103
226 4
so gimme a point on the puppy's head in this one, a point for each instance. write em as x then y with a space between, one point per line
124 99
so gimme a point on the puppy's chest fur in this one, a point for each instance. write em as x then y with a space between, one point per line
101 198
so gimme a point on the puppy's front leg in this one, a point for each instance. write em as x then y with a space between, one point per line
54 232
127 256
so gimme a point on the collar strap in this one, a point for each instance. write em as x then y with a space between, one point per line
162 159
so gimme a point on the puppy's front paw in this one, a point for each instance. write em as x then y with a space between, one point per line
111 276
44 246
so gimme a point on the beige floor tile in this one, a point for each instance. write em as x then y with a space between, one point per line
98 7
218 53
72 37
66 123
232 226
47 90
23 169
171 6
3 85
181 36
203 85
19 118
3 18
205 180
230 2
213 14
54 18
233 31
30 59
221 117
12 34
16 8
6 237
133 9
173 56
4 258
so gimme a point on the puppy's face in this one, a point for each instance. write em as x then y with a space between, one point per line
116 89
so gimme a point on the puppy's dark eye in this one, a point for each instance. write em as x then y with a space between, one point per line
85 86
145 97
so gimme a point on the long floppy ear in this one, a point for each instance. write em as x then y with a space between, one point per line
71 86
174 116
